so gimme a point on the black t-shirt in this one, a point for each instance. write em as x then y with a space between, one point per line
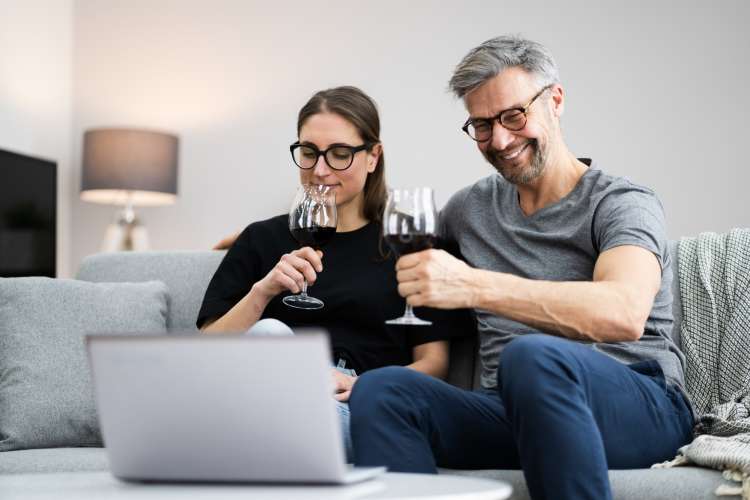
358 286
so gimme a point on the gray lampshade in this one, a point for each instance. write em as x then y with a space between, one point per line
126 165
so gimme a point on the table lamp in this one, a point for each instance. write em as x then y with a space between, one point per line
128 167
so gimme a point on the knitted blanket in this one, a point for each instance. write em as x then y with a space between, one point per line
714 273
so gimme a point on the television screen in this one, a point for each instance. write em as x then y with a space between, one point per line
28 212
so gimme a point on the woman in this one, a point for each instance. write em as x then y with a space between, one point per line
339 146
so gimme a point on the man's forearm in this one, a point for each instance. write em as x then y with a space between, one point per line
600 311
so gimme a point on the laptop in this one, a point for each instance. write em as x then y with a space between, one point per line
220 408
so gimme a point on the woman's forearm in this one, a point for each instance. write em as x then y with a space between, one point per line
242 316
431 359
430 367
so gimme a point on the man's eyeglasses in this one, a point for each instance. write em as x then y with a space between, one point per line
514 119
338 156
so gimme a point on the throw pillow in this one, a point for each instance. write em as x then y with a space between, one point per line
46 394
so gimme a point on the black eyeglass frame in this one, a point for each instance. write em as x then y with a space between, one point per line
352 149
524 110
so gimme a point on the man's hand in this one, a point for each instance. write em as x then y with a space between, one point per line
342 385
435 278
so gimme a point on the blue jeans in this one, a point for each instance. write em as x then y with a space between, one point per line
562 412
273 327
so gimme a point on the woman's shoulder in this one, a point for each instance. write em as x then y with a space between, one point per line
263 229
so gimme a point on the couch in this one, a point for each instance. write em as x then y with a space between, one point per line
186 275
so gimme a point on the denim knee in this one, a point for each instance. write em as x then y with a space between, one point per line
522 359
270 327
374 390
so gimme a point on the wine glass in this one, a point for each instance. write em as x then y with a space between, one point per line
312 222
410 225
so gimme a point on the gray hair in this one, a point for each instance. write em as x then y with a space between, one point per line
497 54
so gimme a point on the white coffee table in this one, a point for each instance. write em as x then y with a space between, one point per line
391 486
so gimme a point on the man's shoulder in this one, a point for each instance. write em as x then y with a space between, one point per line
605 183
487 184
625 212
478 191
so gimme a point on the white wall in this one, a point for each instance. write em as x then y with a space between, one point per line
36 38
656 91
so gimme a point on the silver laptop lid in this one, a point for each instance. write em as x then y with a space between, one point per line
218 408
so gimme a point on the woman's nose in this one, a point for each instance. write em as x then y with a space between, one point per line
321 168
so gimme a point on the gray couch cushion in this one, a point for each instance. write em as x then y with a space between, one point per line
463 360
680 483
186 275
53 460
46 398
677 301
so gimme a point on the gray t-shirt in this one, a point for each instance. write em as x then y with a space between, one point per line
561 242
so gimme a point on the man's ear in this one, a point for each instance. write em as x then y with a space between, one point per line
558 100
373 156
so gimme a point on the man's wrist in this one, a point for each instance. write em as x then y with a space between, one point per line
476 288
485 288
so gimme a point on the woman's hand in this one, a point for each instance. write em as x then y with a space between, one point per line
290 272
342 385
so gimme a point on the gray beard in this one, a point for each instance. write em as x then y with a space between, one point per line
526 175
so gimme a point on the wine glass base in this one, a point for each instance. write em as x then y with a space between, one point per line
408 320
302 302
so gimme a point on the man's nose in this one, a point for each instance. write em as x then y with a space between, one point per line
501 136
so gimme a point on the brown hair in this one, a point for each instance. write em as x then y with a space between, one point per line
361 111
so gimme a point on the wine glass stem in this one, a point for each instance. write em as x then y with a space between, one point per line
304 288
409 312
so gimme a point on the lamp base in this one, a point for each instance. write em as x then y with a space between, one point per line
125 234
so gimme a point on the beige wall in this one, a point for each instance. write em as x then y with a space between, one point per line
35 94
656 91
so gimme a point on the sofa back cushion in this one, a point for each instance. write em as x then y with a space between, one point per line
676 299
46 395
186 274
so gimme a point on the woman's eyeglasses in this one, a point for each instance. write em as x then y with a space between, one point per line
338 156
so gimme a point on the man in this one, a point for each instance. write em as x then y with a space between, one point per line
568 272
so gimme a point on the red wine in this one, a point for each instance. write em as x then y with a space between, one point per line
315 236
409 243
